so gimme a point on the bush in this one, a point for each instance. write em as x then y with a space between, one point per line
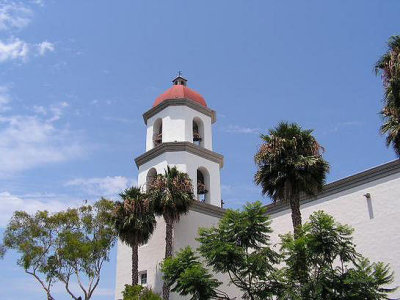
138 292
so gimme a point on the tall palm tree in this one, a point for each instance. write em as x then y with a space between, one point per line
135 222
171 194
290 164
389 67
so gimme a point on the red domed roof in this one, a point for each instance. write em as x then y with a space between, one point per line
179 91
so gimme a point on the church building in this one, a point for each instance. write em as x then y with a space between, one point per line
179 133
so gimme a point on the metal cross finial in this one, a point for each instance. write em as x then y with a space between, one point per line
180 73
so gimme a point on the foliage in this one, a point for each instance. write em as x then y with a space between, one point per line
138 292
322 263
34 238
171 194
134 218
240 247
66 246
134 222
290 163
187 276
389 67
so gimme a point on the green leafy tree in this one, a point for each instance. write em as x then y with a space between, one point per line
389 67
239 247
171 194
34 238
187 276
290 164
322 263
138 292
135 222
69 246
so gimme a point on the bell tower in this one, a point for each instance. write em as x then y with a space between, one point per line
179 133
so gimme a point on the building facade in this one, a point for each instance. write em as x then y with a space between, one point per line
179 133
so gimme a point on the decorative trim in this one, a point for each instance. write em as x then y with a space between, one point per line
178 102
178 147
332 188
344 184
207 209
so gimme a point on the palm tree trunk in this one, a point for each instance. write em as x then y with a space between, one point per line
135 259
296 220
168 251
296 214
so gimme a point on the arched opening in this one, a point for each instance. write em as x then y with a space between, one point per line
203 185
157 132
151 175
198 132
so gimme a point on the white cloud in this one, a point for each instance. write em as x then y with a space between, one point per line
57 111
102 186
14 49
14 15
240 129
28 141
347 124
30 204
17 15
45 47
4 99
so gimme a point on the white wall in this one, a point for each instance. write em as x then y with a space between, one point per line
186 232
189 163
377 238
152 254
177 122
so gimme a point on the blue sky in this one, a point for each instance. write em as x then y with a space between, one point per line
76 76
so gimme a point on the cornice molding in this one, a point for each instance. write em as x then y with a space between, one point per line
207 209
178 147
179 102
335 187
343 184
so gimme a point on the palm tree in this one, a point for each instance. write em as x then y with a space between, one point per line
171 194
135 222
389 67
290 164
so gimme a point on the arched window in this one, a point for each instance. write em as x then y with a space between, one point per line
151 175
203 185
157 132
198 132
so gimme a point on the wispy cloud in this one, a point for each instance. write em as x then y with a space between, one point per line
14 49
240 129
120 120
28 141
45 47
4 99
347 124
102 186
14 15
31 203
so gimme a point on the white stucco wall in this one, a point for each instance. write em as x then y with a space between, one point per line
188 163
377 230
177 125
152 254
